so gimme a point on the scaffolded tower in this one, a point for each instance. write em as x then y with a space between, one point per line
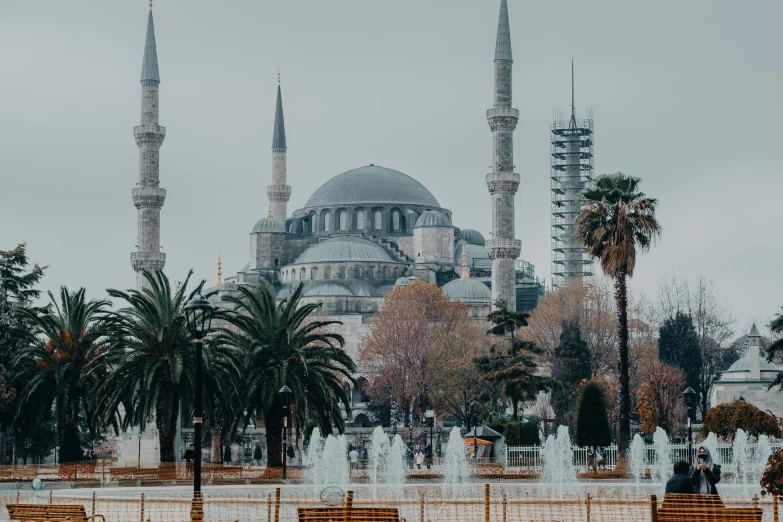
571 169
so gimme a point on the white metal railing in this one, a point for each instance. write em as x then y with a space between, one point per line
531 457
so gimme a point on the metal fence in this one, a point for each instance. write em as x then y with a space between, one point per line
531 457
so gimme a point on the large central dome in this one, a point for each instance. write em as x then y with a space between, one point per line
371 185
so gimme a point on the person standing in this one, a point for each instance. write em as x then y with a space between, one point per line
419 459
680 481
190 456
354 456
706 473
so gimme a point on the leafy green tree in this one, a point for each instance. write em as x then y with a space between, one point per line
592 416
512 362
522 433
17 289
571 365
37 442
678 346
616 222
150 352
51 367
257 453
283 344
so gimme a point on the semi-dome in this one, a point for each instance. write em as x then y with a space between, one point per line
432 218
472 237
743 365
468 290
371 185
269 225
402 281
476 255
327 289
345 248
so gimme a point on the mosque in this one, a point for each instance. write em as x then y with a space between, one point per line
364 231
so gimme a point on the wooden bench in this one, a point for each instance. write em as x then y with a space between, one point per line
699 508
339 514
49 513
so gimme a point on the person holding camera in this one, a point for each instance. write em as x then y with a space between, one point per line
706 473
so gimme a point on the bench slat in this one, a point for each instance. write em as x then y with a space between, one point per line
54 512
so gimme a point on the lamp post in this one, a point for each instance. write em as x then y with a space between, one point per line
285 399
199 315
437 430
690 399
430 415
474 407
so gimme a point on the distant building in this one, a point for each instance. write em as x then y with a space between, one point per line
749 378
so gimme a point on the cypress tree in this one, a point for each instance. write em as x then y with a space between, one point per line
678 346
592 417
571 366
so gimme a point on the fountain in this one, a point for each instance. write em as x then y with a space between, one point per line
396 464
379 450
760 457
638 461
662 469
711 444
558 466
457 471
327 462
742 458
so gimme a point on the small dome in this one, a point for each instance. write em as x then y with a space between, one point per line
403 281
327 289
432 218
345 248
468 290
472 237
383 290
228 286
269 225
369 185
475 255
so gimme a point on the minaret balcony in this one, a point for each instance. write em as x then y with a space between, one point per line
503 248
503 182
149 197
148 261
279 191
500 112
149 134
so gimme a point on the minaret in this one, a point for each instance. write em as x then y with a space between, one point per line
219 281
503 182
278 192
148 196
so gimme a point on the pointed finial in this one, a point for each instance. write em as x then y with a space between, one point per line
150 5
269 215
220 273
573 108
278 75
465 274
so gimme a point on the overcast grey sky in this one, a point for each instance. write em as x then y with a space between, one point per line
686 93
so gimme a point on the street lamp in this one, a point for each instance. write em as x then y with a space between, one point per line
198 312
474 407
285 399
437 430
690 399
430 415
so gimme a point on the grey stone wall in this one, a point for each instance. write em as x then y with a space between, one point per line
433 245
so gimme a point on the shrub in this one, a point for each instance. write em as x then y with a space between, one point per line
772 480
257 454
724 420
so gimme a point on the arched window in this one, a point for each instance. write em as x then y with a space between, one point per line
327 222
385 272
371 273
343 220
303 274
313 223
360 220
357 272
314 273
328 272
396 272
342 272
396 220
378 220
293 275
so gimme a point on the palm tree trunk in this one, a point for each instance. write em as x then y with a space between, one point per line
216 445
624 418
274 438
167 432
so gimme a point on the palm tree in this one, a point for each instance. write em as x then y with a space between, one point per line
150 352
776 326
284 345
54 362
616 222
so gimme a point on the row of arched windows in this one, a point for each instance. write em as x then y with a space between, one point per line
342 272
344 225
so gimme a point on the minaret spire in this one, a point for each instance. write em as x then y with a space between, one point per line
279 192
148 197
219 282
503 182
465 274
572 123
